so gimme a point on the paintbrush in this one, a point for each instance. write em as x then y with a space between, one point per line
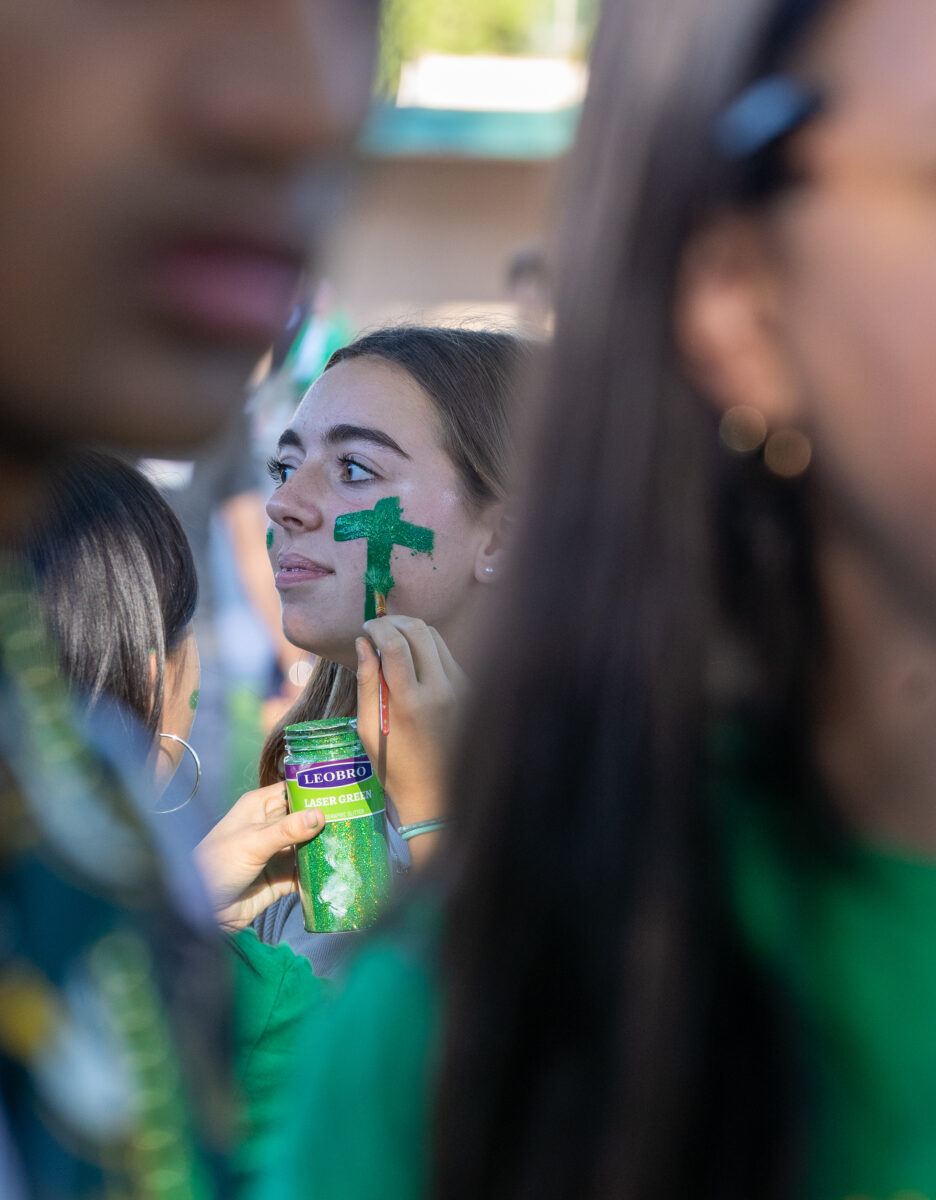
378 580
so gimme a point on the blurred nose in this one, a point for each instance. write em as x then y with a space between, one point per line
278 81
294 505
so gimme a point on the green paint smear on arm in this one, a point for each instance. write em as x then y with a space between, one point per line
384 528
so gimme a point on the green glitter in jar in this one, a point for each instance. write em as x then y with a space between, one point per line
344 873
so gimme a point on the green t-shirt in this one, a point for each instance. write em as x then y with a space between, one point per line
276 994
353 1123
850 938
851 941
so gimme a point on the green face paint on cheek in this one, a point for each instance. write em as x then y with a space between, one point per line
384 528
193 700
269 538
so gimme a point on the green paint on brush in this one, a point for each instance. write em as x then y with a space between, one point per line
193 700
384 528
269 538
376 579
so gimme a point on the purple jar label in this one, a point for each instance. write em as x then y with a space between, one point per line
330 775
343 789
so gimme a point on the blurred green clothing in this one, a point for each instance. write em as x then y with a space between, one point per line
114 1030
849 940
275 995
353 1117
319 336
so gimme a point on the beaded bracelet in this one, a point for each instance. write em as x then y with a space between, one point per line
408 831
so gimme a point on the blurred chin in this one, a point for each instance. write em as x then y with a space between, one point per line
185 399
308 636
162 402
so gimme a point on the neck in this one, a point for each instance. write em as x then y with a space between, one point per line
464 632
876 731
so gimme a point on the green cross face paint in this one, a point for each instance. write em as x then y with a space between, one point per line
269 538
193 700
344 873
384 528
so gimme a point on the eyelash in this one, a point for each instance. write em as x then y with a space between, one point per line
277 469
348 461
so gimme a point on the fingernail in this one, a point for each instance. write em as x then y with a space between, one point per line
310 818
359 649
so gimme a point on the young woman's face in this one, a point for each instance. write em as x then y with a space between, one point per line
366 431
856 248
165 168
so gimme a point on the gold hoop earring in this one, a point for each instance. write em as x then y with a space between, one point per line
743 429
787 453
182 742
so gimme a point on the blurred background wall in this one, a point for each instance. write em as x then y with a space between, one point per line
477 105
431 238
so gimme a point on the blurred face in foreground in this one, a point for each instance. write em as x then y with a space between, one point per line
822 312
166 168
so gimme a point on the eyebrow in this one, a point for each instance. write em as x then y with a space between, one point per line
345 433
360 433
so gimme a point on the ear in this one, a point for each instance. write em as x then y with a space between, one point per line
728 322
490 557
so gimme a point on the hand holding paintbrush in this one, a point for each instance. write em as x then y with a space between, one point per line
427 687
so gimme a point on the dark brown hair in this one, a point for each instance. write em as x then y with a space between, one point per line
116 577
605 1036
470 377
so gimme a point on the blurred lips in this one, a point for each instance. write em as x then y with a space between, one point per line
293 569
236 288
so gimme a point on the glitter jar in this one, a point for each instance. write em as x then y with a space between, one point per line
344 873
